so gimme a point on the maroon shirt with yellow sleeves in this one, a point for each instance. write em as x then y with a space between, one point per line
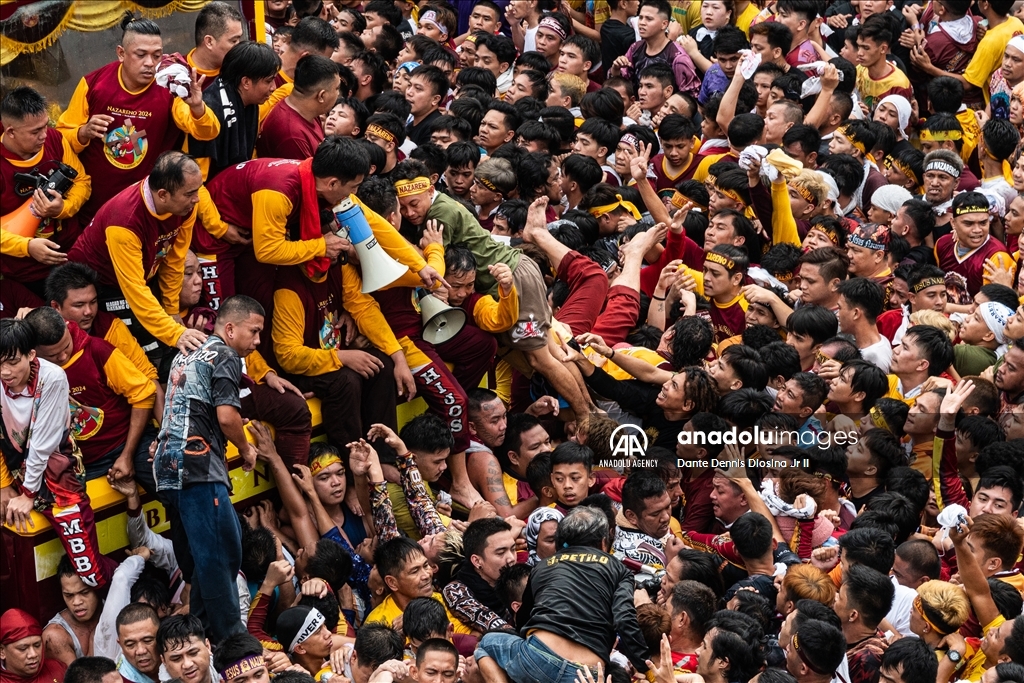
104 387
15 262
286 135
127 244
146 124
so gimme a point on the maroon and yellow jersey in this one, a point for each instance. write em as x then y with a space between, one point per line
146 123
104 386
665 181
306 313
972 265
286 135
188 62
15 261
728 319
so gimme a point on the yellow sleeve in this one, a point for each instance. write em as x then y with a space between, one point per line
256 367
172 271
982 64
13 245
366 312
1000 259
209 213
497 316
119 337
126 379
287 333
75 116
434 254
275 97
394 244
270 211
701 174
126 255
206 127
82 186
5 474
698 277
784 230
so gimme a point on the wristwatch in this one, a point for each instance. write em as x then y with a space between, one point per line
954 656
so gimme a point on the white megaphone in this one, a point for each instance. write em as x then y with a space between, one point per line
441 322
379 270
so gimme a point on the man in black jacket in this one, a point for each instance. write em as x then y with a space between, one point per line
576 603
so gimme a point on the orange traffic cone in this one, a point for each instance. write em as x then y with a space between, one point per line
21 222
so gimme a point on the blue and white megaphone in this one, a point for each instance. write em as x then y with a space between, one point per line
379 270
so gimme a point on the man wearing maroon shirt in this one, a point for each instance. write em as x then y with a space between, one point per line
292 130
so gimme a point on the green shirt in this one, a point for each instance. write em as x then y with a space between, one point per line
972 360
462 226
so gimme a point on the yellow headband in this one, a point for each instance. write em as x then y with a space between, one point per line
821 358
805 193
830 233
939 135
731 194
407 188
488 184
242 666
878 419
374 129
844 131
919 606
892 162
599 211
720 259
322 462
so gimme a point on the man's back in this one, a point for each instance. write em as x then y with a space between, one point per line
199 382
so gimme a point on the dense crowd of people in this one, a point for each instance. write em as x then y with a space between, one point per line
714 305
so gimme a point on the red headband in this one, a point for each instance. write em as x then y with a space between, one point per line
16 624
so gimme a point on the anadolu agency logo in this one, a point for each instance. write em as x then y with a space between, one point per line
629 445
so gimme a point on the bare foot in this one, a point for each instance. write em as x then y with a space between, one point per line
536 220
466 496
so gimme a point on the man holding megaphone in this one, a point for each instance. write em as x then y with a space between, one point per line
279 201
38 225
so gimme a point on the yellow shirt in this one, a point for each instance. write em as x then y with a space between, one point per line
387 611
989 55
872 90
745 17
976 660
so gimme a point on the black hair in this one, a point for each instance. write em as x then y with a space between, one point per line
512 583
48 324
813 388
139 26
603 104
436 55
702 568
392 102
816 322
738 641
538 472
170 170
869 591
753 536
90 669
427 433
640 487
434 76
213 20
312 71
729 40
934 345
1003 476
16 338
822 645
377 156
331 563
235 648
389 42
776 33
571 453
512 118
746 363
537 130
474 538
922 558
424 618
982 430
392 123
315 35
759 336
583 169
877 30
134 612
459 258
462 129
177 630
249 59
375 66
847 171
340 157
603 133
377 643
871 547
386 10
391 557
502 47
944 122
804 135
691 341
517 425
903 512
533 175
744 406
562 121
744 130
865 294
1001 294
21 102
379 195
436 645
358 24
433 156
945 94
469 110
779 358
71 275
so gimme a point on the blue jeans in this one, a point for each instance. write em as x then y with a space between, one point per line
526 661
215 538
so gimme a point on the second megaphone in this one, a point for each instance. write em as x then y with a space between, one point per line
379 270
441 322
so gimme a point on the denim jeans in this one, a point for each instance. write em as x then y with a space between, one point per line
215 539
526 661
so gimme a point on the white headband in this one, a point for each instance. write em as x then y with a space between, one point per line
314 620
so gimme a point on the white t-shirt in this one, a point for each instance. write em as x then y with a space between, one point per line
899 613
530 39
879 353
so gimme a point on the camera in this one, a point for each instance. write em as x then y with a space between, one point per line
59 180
649 582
